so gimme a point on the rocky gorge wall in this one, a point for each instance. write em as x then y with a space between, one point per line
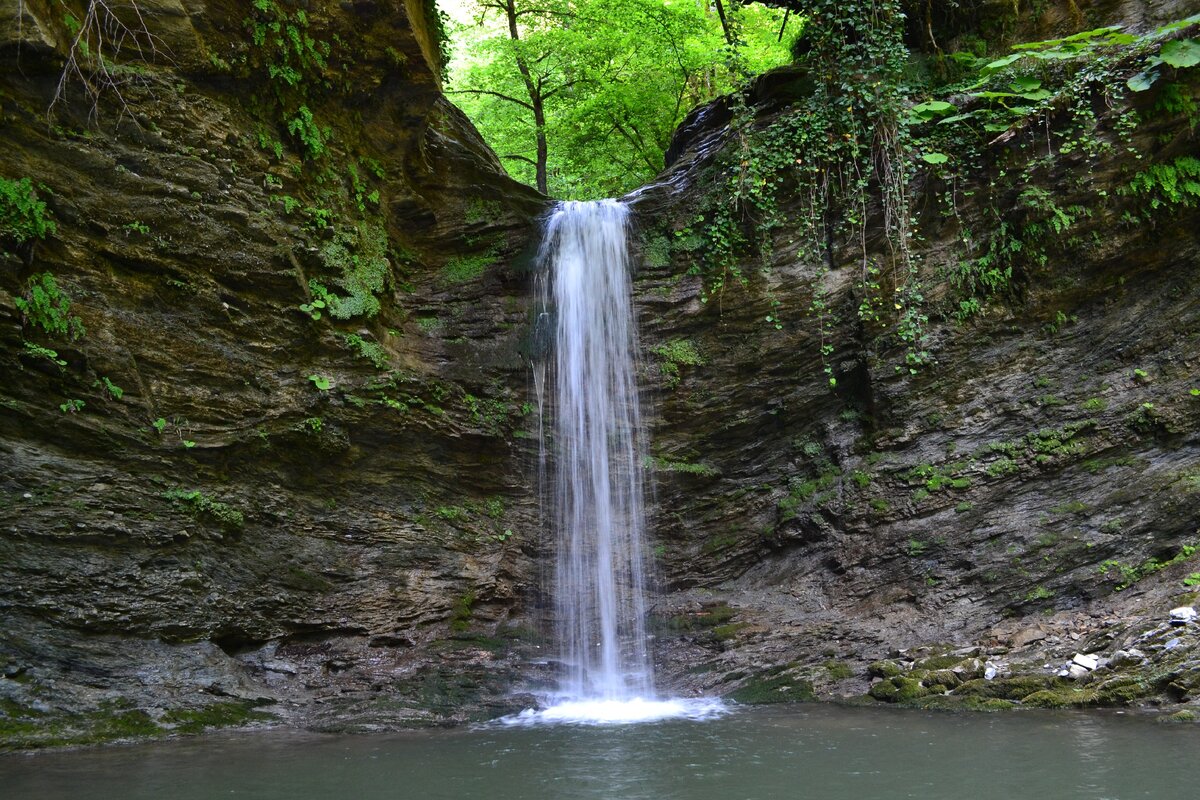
269 507
310 496
1023 492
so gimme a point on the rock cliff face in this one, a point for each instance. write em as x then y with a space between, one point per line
268 506
1029 494
287 468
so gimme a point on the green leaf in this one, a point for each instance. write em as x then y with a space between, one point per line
320 381
935 158
957 118
931 109
933 106
1143 80
1055 55
1024 83
1181 53
1177 25
1001 63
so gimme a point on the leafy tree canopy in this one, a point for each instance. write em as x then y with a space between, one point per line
581 97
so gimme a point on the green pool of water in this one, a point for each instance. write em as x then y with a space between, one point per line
817 752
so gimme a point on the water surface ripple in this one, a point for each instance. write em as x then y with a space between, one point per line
818 752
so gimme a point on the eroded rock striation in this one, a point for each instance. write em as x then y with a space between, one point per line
285 460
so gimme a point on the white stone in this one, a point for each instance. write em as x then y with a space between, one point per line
1075 672
1087 662
1183 615
990 671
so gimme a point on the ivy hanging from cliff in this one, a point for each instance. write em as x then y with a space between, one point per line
841 144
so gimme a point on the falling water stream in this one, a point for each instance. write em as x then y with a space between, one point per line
596 471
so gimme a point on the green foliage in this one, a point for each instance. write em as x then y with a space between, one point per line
659 464
292 61
71 406
312 137
676 353
467 268
201 506
289 52
109 388
1171 185
460 617
372 351
320 382
36 351
1128 574
1040 593
23 216
359 254
614 77
813 491
49 308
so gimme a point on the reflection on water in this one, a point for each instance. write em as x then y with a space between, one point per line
810 752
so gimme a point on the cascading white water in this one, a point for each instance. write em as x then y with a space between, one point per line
598 514
588 337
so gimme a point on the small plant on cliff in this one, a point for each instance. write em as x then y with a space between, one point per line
200 505
71 406
674 354
108 387
23 215
49 308
1167 186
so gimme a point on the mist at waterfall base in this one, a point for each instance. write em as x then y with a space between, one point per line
595 475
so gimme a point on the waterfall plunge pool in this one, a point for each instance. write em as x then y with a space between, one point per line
751 753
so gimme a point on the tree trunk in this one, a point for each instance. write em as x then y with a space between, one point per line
535 97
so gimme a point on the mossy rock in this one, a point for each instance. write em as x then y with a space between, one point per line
884 669
215 715
1016 688
944 677
900 689
885 691
939 662
1065 697
772 687
1122 691
1186 716
909 689
942 702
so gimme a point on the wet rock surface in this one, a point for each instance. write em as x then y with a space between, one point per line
1032 495
305 519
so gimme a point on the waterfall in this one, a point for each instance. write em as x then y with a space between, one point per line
591 469
596 454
